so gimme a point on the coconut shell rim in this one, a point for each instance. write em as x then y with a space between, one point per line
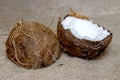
111 34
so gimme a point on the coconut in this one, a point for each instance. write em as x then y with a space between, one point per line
32 45
80 37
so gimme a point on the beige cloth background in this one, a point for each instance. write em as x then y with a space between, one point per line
104 12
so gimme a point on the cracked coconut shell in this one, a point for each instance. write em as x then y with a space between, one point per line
32 45
80 47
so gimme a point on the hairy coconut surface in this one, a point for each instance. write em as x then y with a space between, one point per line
32 45
80 47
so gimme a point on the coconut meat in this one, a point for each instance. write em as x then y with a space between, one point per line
84 29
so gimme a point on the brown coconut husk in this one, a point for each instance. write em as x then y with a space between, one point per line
77 15
80 47
32 45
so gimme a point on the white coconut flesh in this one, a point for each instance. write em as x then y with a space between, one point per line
84 29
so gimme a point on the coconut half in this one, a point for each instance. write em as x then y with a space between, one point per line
32 45
80 37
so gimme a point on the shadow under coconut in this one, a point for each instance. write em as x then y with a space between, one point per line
103 54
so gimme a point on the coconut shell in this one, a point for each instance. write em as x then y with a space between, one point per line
80 47
32 45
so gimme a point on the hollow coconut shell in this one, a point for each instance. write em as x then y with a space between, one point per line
80 47
32 45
